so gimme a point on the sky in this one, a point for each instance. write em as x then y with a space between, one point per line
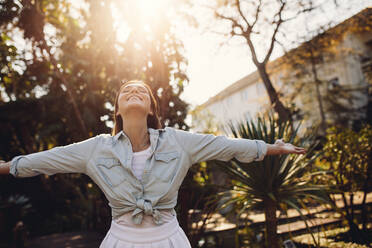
211 69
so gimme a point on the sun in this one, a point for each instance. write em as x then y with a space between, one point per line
144 13
151 8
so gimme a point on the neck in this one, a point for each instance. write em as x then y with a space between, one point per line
136 130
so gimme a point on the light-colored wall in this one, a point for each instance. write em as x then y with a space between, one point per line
248 96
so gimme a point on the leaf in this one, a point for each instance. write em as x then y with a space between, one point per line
281 178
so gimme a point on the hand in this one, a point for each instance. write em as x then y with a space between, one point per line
287 148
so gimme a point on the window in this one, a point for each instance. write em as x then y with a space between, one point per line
369 44
260 87
228 101
244 94
333 83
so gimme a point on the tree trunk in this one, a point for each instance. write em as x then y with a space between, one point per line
354 231
84 131
318 95
364 215
283 112
365 192
351 202
271 223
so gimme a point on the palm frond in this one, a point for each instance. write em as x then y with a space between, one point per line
284 179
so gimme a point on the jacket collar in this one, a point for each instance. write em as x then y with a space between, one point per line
154 133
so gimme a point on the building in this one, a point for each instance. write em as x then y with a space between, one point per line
340 66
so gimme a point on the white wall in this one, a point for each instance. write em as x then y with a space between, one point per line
252 99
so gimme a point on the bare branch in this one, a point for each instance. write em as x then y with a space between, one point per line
258 10
253 51
234 23
282 45
273 39
222 44
237 2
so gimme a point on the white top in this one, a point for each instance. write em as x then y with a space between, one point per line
139 161
138 166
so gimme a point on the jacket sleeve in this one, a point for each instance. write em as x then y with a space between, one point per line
204 147
61 159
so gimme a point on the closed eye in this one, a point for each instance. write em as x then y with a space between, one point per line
140 89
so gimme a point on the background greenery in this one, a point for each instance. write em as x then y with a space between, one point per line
60 68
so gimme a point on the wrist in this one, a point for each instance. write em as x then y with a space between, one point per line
274 149
4 168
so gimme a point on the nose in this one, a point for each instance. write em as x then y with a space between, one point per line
133 89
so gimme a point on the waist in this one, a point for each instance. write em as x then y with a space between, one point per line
144 234
147 221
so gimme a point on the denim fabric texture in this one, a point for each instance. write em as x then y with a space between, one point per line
107 160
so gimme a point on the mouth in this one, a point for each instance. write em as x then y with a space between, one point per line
134 97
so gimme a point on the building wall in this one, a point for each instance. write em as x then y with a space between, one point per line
248 96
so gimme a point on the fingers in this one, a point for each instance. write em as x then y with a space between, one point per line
300 150
290 148
295 149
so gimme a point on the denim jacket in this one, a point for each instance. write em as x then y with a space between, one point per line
107 160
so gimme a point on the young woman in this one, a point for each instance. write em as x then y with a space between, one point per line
141 166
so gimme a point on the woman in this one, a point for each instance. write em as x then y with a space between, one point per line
141 166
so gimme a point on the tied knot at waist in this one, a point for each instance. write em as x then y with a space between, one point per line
145 207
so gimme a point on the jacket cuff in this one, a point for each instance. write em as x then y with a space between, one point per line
261 150
14 166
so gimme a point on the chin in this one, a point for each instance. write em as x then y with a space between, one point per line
135 107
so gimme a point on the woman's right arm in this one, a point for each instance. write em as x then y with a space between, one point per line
4 167
62 159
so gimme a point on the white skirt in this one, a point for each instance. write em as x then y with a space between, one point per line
168 235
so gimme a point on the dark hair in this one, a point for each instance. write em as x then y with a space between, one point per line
153 120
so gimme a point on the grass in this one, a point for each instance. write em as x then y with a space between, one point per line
334 238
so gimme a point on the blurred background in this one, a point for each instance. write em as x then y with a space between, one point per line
300 70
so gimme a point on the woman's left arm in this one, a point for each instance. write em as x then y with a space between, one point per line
280 147
204 147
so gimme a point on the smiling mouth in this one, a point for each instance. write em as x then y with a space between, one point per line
134 97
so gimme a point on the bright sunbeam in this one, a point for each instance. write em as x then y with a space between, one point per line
152 8
146 12
122 29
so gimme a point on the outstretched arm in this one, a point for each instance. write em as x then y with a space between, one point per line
62 159
203 147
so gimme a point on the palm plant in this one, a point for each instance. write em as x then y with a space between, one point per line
275 183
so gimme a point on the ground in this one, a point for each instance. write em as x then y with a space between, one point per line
67 240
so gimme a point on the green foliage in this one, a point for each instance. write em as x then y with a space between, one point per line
324 101
285 179
346 156
347 159
60 67
328 238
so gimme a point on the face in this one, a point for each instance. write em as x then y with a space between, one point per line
134 96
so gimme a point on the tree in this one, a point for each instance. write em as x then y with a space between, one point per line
60 67
259 25
307 67
275 183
